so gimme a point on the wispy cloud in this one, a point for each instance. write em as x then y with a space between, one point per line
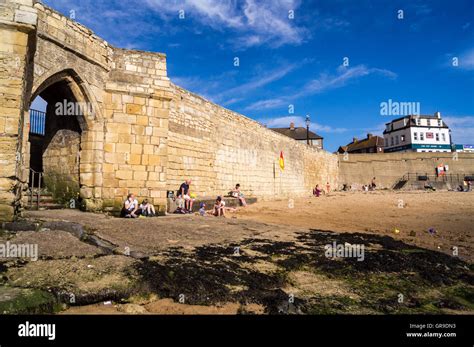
462 128
249 23
323 83
421 9
466 60
254 22
218 89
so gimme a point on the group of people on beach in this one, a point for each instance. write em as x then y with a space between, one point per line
185 200
317 191
131 208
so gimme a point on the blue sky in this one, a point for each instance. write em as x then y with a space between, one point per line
292 52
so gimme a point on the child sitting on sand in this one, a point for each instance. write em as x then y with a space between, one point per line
202 209
148 209
219 207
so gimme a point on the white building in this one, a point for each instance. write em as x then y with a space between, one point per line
417 134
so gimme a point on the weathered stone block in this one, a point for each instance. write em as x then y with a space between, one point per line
134 109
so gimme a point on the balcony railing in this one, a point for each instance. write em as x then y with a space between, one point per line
37 122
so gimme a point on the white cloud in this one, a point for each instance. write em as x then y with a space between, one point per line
323 83
268 104
216 88
260 80
250 23
255 22
462 128
466 60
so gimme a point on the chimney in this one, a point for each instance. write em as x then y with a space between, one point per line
369 135
292 126
438 115
354 139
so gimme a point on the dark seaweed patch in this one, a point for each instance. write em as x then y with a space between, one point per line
213 274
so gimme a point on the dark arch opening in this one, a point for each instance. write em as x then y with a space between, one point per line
55 142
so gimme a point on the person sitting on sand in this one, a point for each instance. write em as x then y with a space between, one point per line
130 207
148 209
219 207
183 193
317 191
202 209
236 193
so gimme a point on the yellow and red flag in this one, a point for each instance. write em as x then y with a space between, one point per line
282 161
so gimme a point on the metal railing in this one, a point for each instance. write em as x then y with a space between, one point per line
436 178
33 175
37 122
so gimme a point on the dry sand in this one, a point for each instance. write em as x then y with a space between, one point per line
450 214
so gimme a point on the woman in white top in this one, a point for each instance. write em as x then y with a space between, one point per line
130 207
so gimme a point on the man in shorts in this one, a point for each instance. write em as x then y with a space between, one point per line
183 193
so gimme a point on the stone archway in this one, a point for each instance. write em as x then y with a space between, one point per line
123 134
56 153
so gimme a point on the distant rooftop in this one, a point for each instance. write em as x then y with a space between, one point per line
371 141
297 133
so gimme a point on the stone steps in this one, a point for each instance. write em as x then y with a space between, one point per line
46 202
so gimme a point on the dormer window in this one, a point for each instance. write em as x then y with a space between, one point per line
440 123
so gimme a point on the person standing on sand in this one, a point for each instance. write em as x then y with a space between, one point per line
372 184
328 187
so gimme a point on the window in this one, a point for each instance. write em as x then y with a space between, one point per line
415 136
391 141
396 140
386 142
443 136
440 123
402 138
417 120
422 136
437 137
